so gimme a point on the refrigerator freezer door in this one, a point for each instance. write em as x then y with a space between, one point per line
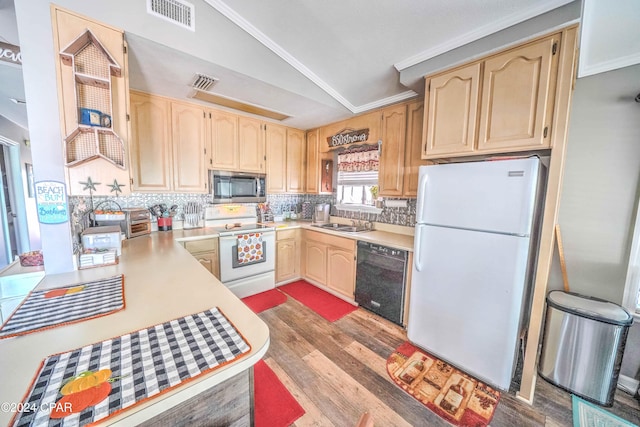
466 301
495 196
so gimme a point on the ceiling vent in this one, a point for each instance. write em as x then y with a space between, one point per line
179 12
202 82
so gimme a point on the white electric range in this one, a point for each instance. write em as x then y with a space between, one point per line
247 249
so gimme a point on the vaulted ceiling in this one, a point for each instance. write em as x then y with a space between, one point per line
315 61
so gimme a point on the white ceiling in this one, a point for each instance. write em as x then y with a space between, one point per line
317 61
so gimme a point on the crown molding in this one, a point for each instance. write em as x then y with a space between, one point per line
386 101
237 19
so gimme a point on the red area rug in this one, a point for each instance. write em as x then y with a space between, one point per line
453 395
265 300
274 405
326 305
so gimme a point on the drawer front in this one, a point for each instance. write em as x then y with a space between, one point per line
331 240
204 245
286 234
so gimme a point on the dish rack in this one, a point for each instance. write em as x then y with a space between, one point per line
193 218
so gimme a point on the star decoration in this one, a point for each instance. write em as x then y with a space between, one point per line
89 185
116 187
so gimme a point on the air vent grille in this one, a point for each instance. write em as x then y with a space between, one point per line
202 82
178 12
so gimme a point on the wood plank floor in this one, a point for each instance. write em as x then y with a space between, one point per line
337 371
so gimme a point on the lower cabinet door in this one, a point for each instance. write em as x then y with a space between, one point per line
286 255
210 261
341 275
316 261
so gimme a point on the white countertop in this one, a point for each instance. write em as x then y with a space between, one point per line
382 237
162 282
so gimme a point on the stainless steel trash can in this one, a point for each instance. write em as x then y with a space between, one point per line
582 345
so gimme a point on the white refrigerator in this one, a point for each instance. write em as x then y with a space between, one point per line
473 263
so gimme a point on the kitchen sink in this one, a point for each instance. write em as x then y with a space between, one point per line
342 227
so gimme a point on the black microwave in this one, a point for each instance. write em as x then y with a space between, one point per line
237 187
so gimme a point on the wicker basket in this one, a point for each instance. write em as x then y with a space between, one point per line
31 259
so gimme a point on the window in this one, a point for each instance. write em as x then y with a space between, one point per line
358 177
356 187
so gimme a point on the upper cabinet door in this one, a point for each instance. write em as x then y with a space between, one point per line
517 97
394 124
276 142
312 181
250 145
150 143
224 140
189 140
295 161
453 100
413 149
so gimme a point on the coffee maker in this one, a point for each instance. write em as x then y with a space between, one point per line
321 213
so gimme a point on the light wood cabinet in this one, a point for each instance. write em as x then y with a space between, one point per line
224 140
151 166
413 149
518 89
341 271
276 145
312 179
251 156
206 252
391 172
330 261
237 143
77 88
168 145
296 153
315 255
512 111
188 141
285 159
287 255
452 100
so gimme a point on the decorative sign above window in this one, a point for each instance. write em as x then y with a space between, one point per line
348 136
10 53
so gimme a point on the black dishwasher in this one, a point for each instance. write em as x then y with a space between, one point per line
380 280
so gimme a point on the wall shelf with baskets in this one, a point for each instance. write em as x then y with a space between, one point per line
93 66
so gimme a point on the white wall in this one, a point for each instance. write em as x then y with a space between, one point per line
600 191
36 44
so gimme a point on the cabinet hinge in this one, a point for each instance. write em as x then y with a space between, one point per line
131 181
554 49
545 132
209 115
124 49
210 161
205 151
264 157
128 118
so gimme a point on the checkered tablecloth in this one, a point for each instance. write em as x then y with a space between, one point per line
144 364
38 311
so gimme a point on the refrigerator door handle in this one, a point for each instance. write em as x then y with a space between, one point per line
416 254
422 191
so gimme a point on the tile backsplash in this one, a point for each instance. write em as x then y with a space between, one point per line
80 206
